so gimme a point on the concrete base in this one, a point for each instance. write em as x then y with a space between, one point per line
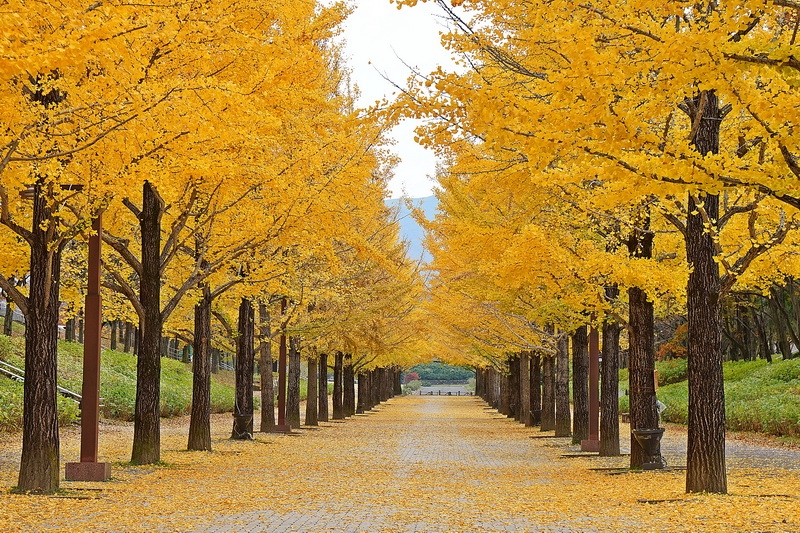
590 445
281 428
87 471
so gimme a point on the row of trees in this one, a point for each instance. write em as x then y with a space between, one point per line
234 175
607 161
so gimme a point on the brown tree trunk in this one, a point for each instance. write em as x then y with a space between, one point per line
322 402
609 385
293 384
580 385
705 452
563 415
265 370
245 361
147 422
349 378
114 325
641 384
69 333
536 390
39 466
513 387
362 393
338 391
200 420
312 396
80 329
8 320
524 388
548 394
127 343
505 393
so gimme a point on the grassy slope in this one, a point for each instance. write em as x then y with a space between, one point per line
118 385
759 396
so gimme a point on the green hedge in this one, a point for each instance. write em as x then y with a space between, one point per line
759 397
117 385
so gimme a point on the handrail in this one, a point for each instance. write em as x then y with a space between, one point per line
17 374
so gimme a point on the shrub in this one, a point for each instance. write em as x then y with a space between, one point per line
411 376
671 371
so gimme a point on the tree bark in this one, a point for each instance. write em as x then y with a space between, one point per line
524 388
200 419
114 325
322 403
69 332
8 320
39 466
609 385
349 378
513 392
536 390
362 393
705 453
641 385
563 415
245 360
338 407
548 394
312 397
293 384
265 370
580 385
147 422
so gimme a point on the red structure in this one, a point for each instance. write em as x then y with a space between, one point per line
88 469
592 444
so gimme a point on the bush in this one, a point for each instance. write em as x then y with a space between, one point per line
436 371
671 371
412 386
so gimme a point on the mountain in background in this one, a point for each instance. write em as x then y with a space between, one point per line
409 229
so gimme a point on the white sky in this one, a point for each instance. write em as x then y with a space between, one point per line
380 38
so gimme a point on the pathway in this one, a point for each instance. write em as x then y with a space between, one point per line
427 464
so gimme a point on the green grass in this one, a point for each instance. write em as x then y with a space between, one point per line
759 397
117 385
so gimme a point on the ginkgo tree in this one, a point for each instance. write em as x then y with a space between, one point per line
640 95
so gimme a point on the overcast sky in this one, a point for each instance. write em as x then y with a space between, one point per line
380 38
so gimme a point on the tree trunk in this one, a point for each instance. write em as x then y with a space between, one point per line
513 387
128 342
322 402
265 370
362 393
524 388
312 397
200 420
705 453
114 336
245 361
563 415
580 385
39 466
80 329
536 390
609 385
8 321
349 378
69 332
338 407
505 393
147 422
641 385
548 394
293 384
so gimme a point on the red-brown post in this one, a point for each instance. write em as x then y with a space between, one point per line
89 469
592 444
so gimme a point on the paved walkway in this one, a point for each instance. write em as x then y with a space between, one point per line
418 464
